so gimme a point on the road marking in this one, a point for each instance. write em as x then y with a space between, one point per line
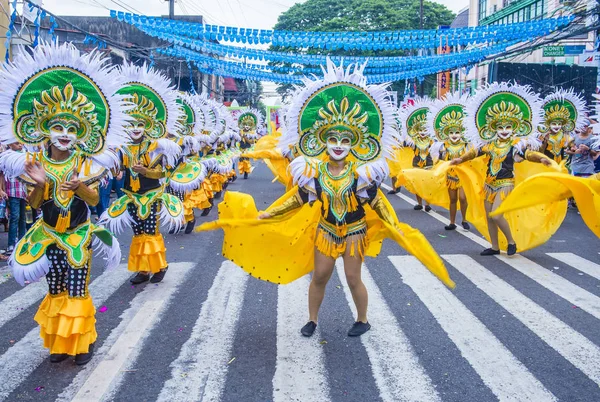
555 283
396 368
569 343
200 371
499 369
300 373
579 263
101 377
23 357
14 304
5 274
470 235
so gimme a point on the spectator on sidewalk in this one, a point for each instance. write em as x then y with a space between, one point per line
583 153
115 184
16 194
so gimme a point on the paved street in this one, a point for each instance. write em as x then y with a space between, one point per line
525 328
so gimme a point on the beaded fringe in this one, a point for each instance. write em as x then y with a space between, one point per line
334 246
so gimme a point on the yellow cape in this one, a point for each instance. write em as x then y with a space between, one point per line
281 249
556 187
265 149
401 161
530 227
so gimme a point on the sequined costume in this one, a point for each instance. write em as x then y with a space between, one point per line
564 113
143 162
65 102
500 124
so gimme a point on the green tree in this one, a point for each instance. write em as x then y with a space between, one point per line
361 15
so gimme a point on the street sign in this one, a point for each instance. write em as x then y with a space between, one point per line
554 51
561 51
574 50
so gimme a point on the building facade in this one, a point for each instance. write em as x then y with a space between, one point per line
559 64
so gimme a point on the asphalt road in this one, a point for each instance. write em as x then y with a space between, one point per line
525 328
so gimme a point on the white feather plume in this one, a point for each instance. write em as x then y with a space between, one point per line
26 63
159 83
523 91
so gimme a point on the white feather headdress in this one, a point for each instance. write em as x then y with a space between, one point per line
522 92
376 169
576 101
161 85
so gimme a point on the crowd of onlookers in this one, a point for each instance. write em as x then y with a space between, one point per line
17 216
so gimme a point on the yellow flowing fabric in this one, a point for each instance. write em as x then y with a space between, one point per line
401 161
244 166
556 187
266 149
281 249
530 227
430 184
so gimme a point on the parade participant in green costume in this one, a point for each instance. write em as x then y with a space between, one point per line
63 103
145 203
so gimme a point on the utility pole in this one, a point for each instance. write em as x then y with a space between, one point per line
172 9
421 84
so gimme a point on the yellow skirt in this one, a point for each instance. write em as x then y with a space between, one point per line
530 227
67 325
199 198
147 253
216 182
245 166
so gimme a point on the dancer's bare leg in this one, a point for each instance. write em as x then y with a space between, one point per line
316 291
352 269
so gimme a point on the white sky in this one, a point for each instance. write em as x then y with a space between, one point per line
241 13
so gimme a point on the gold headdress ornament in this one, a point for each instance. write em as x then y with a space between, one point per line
566 108
248 120
341 119
447 114
56 84
144 109
503 103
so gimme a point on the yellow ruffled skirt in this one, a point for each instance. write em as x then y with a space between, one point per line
216 182
291 239
244 166
147 253
199 199
545 188
67 325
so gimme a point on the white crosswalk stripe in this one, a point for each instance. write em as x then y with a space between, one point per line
555 283
99 378
300 373
581 264
399 377
25 355
573 346
199 371
24 298
499 369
